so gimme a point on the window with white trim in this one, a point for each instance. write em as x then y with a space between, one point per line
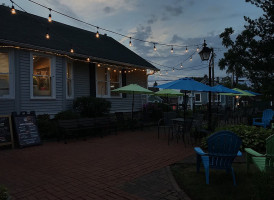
107 80
198 97
6 76
69 80
43 82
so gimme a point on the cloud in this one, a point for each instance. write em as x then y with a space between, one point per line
108 9
152 19
174 10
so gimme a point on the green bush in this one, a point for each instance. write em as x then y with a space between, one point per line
46 126
4 195
67 114
91 106
252 136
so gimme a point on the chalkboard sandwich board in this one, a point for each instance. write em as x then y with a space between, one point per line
25 126
6 134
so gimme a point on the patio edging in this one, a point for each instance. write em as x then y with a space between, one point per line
181 193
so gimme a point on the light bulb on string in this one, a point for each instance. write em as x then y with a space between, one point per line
13 11
154 48
88 59
173 69
186 49
171 49
181 65
49 18
197 48
130 44
71 50
97 33
47 34
190 58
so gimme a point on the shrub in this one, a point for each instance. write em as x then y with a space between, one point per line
67 114
4 195
91 106
252 136
45 126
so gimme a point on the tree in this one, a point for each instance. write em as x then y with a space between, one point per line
252 53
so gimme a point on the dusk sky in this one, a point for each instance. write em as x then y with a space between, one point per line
177 22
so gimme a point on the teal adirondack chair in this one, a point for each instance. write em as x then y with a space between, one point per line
265 120
223 147
264 162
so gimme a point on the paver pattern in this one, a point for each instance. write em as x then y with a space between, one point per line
93 169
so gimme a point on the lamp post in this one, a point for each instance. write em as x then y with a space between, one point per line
208 54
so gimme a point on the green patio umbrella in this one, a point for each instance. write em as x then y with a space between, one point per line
132 89
168 93
243 93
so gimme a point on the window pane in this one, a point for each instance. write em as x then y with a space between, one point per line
43 88
41 76
69 89
4 63
4 84
197 97
114 86
114 76
69 70
102 88
101 74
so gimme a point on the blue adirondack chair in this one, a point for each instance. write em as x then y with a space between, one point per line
265 120
223 147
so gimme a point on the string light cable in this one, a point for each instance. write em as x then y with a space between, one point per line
110 31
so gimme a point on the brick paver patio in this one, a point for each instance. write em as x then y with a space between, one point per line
92 169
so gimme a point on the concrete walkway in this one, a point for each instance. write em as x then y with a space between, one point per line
98 168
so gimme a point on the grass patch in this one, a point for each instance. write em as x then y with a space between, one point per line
250 186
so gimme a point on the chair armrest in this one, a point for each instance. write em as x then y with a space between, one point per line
252 152
199 151
239 153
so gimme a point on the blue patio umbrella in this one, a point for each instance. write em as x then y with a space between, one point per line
187 84
223 89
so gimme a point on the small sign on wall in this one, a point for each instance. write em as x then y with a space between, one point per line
6 133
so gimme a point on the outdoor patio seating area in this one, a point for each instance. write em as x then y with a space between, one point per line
92 169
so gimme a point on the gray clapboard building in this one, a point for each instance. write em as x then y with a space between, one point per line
44 75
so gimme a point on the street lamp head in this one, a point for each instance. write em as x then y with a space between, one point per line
205 53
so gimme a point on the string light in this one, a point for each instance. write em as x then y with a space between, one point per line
120 71
173 69
47 36
114 70
171 49
99 65
197 49
181 65
88 59
71 50
50 19
97 34
130 44
154 47
190 58
13 11
186 49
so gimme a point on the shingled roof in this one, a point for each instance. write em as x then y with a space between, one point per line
27 30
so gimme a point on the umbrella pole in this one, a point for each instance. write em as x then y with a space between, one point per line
132 106
185 105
